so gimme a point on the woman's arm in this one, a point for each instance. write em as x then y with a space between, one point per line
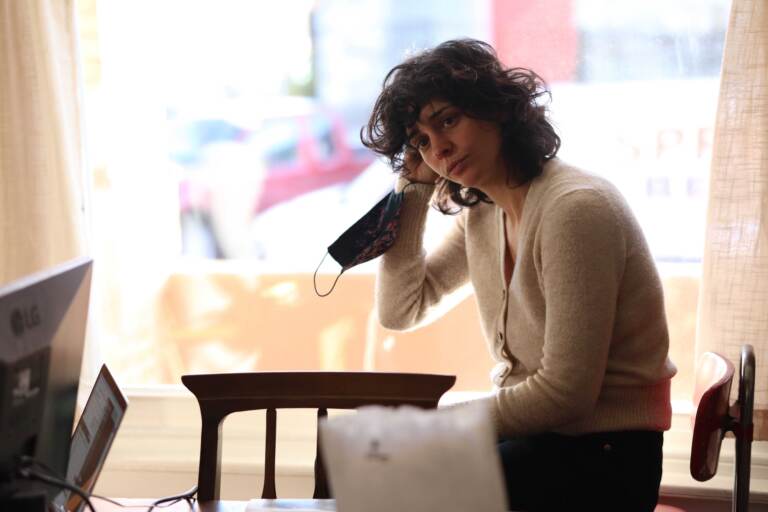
409 282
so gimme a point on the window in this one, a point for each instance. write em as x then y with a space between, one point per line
211 222
205 246
280 138
322 132
658 186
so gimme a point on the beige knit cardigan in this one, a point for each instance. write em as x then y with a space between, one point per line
585 328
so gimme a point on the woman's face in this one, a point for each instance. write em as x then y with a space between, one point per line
459 148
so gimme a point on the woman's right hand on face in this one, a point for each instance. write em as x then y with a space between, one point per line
417 169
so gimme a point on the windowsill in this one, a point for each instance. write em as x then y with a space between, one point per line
160 436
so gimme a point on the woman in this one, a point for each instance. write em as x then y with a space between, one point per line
568 294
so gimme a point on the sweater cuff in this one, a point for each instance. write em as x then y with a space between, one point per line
416 197
402 182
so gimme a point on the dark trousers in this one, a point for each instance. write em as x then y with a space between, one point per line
611 471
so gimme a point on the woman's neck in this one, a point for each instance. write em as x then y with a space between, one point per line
510 198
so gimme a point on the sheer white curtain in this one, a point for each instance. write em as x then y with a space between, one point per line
43 184
733 304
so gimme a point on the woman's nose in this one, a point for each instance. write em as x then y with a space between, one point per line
442 147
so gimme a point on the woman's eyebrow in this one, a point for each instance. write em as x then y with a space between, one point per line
438 112
415 130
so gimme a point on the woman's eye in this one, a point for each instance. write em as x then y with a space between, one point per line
449 121
422 142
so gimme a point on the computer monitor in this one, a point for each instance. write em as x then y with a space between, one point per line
42 333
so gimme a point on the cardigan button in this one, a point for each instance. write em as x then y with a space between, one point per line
501 336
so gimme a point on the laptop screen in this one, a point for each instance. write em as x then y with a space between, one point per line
93 438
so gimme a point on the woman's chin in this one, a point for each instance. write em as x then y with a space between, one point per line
463 179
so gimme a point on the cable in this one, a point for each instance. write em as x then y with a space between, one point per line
114 502
54 479
31 474
26 461
31 461
187 496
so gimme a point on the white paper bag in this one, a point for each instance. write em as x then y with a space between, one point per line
407 459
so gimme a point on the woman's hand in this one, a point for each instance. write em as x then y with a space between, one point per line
417 169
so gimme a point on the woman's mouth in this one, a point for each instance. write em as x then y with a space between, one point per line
455 168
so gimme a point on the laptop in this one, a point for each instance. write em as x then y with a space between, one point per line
385 459
92 439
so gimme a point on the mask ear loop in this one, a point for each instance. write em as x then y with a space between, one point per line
314 276
314 279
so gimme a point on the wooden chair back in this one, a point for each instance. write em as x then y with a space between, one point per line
219 395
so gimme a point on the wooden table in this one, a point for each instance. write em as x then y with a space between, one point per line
220 506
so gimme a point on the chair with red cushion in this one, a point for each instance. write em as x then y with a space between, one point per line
715 416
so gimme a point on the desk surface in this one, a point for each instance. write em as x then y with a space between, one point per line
296 505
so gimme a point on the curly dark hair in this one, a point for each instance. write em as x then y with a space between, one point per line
468 74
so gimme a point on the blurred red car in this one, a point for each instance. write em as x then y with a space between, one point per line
305 153
242 161
303 147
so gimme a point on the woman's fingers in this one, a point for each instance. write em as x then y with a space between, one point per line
417 169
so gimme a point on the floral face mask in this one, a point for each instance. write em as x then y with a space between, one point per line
371 236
